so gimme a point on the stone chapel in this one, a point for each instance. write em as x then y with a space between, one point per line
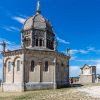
37 64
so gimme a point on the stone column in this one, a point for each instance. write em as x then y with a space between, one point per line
3 70
41 71
97 80
42 43
68 70
13 70
3 74
45 41
54 74
38 42
23 71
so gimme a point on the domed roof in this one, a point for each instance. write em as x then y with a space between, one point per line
37 22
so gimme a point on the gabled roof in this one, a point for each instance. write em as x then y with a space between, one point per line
87 66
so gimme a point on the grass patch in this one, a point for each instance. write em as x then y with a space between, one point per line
57 94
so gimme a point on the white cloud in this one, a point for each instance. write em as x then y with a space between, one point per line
85 51
22 15
73 51
10 28
10 45
82 51
19 19
74 71
62 41
73 57
14 28
91 49
0 68
0 61
88 60
98 68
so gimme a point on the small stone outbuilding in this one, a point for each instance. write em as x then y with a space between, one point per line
87 74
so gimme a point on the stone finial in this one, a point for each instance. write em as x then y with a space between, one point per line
55 45
68 52
38 7
4 46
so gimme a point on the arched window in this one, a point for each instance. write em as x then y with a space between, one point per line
32 66
36 42
18 65
40 42
51 45
9 66
47 43
27 42
43 42
46 66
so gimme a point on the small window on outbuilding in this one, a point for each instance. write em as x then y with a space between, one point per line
32 66
18 65
46 66
9 66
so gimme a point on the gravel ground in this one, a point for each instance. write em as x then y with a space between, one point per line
88 92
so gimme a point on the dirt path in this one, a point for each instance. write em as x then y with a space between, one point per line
93 91
74 93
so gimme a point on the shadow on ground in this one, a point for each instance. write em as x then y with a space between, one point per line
76 85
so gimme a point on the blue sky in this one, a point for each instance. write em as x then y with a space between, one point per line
76 24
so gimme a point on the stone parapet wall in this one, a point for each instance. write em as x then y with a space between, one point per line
18 87
37 86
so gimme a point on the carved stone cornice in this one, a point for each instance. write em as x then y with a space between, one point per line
61 55
11 53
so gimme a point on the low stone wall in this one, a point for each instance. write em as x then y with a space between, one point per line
12 87
37 86
19 87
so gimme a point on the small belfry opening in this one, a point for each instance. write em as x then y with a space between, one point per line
40 42
18 65
32 66
9 66
36 42
46 66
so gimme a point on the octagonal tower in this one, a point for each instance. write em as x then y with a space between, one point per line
37 32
